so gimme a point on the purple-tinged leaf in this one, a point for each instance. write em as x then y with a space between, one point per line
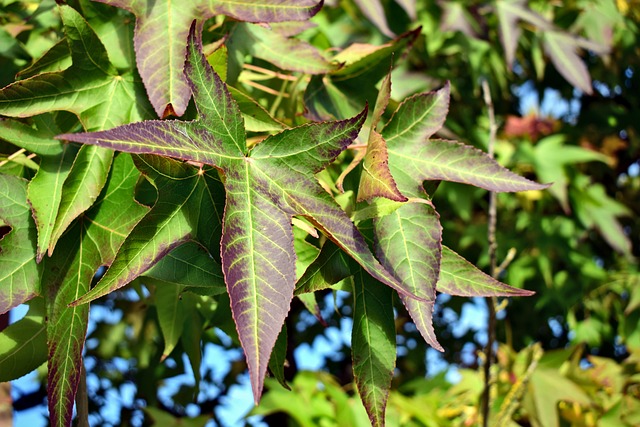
374 12
562 49
90 243
422 315
408 242
186 209
459 277
414 158
19 272
45 193
166 23
376 179
509 29
373 344
265 188
91 87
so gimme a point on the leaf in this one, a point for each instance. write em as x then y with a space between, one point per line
187 209
90 243
373 344
82 186
19 273
190 265
171 315
279 358
459 277
23 344
408 242
339 94
165 23
374 12
330 266
414 158
376 179
44 193
265 188
509 30
284 52
562 49
36 139
91 87
550 157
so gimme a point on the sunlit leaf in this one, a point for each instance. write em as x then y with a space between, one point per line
264 189
165 23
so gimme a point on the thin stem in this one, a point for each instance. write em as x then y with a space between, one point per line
491 239
271 73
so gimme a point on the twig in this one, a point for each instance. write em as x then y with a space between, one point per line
264 88
491 238
82 398
270 73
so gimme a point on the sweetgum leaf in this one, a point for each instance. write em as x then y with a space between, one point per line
90 243
265 188
414 158
37 138
373 344
19 273
376 179
459 277
166 23
91 87
171 315
562 49
374 11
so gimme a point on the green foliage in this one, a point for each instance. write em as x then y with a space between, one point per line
274 188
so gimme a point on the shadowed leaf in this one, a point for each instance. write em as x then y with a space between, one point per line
19 273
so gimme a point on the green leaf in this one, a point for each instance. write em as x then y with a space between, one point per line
171 315
19 273
81 188
90 243
414 158
459 277
256 118
189 265
330 266
551 154
23 344
373 344
374 11
265 188
279 358
91 87
167 23
37 138
45 193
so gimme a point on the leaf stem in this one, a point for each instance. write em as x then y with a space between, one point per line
492 249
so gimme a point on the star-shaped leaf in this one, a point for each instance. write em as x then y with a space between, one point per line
265 188
166 23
